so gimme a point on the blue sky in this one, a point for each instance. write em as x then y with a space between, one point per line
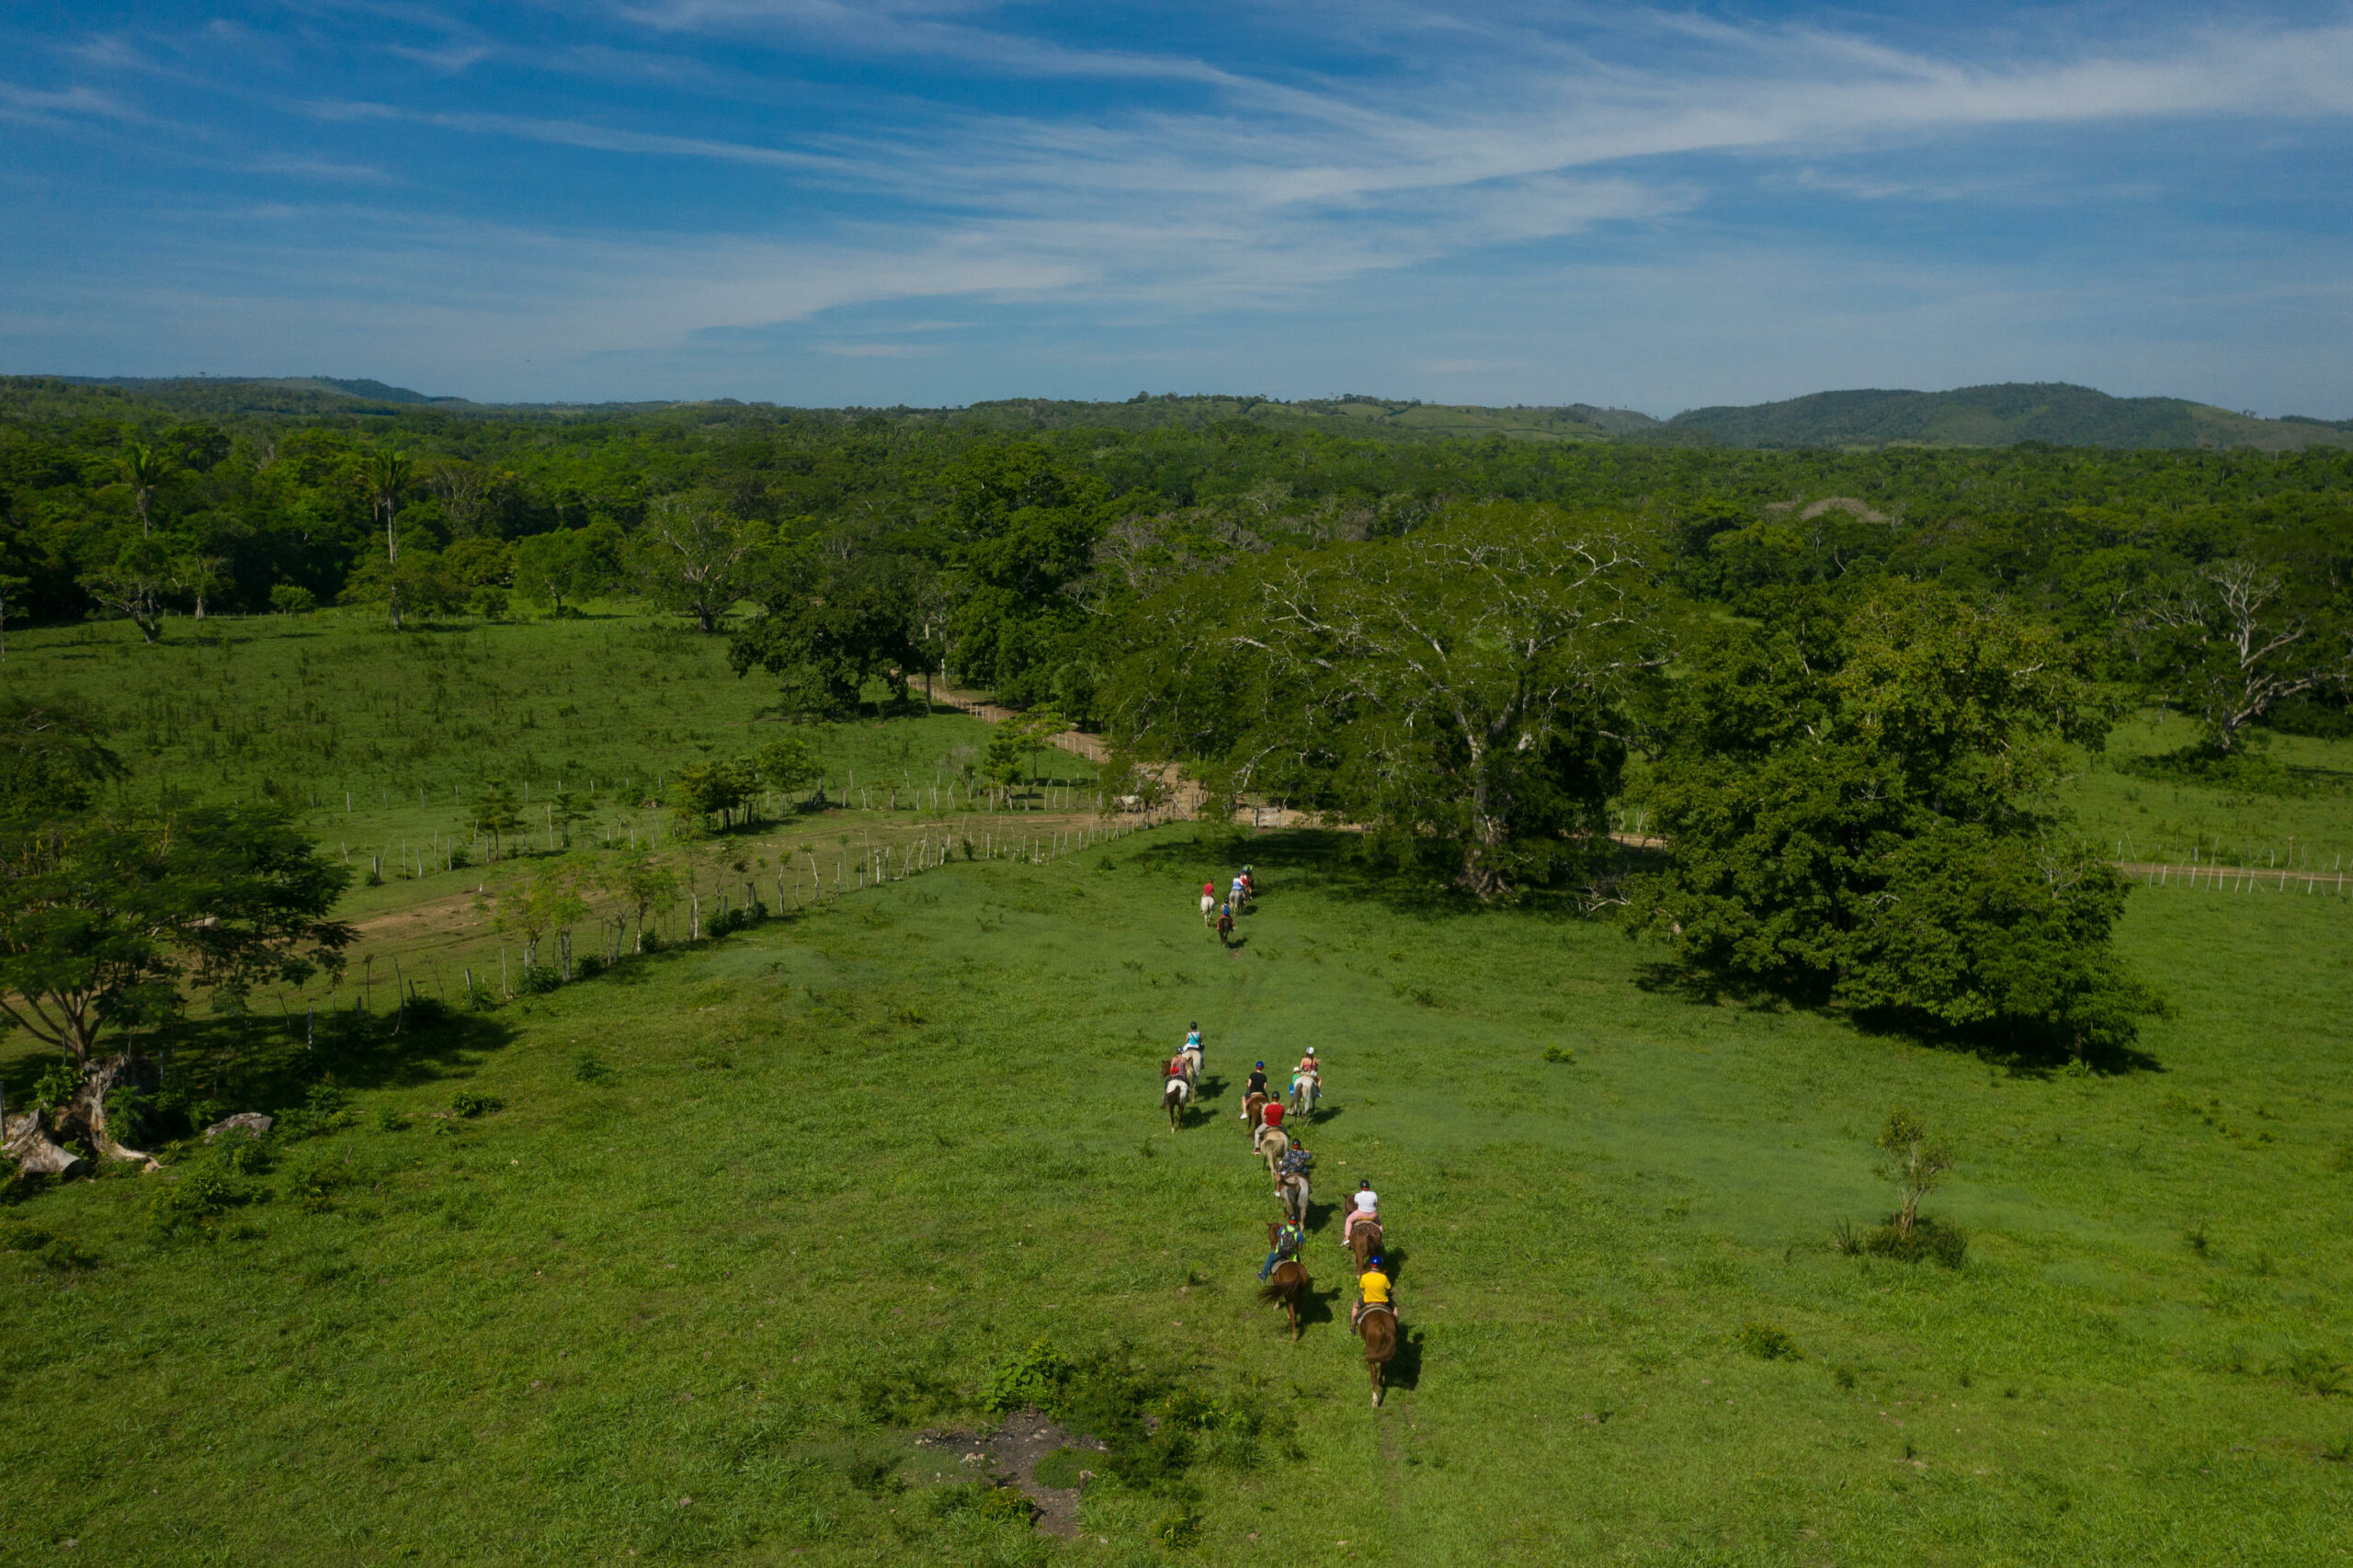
936 201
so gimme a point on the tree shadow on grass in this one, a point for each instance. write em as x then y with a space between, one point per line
260 1065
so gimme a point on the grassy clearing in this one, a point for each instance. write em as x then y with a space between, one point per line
843 1167
749 1215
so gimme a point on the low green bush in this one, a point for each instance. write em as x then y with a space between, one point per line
1929 1240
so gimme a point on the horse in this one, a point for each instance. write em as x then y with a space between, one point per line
1173 1097
1288 1287
1272 1148
1306 1089
1379 1329
1251 1109
1294 1192
1364 1242
1191 1057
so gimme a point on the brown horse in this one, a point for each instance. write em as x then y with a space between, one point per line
1379 1327
1251 1110
1174 1098
1288 1287
1365 1242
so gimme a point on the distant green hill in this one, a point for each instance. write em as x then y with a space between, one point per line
2013 412
2053 411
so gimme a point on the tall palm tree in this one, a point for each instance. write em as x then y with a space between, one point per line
144 468
387 475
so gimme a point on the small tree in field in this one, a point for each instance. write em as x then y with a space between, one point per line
707 790
549 901
137 585
789 765
1917 1163
496 813
642 885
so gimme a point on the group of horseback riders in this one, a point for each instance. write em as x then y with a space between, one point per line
1289 1162
1220 917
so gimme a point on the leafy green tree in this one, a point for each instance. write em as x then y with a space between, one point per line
1034 730
549 900
1916 1161
1855 798
497 812
2233 639
828 626
138 584
1001 763
476 561
292 598
1023 529
568 563
694 557
104 922
53 759
1460 691
641 885
789 765
705 791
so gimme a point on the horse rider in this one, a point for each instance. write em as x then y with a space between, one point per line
1364 1208
1209 902
1240 893
1313 1070
1226 924
1193 1039
1373 1294
1257 1084
1249 883
1271 1119
1289 1238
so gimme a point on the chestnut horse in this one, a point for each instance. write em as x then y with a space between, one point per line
1288 1287
1365 1242
1379 1327
1251 1110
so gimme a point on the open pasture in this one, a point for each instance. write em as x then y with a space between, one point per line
691 1294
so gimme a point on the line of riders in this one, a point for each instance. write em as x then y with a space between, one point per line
1289 1163
1220 917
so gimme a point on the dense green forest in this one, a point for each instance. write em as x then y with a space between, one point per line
1008 539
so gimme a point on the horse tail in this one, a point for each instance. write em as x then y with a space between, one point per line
1275 1293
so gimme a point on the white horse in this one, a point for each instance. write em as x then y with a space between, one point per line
1209 908
1191 1056
1173 1097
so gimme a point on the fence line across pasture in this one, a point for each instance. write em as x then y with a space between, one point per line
2233 879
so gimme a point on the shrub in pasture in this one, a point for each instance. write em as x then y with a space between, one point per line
588 1067
1766 1343
471 1103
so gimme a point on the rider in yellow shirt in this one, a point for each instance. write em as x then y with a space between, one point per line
1373 1289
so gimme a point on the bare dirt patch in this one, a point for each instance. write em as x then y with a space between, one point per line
1009 1457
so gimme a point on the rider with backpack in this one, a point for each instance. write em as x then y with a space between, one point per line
1288 1239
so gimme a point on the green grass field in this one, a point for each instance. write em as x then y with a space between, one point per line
695 1298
